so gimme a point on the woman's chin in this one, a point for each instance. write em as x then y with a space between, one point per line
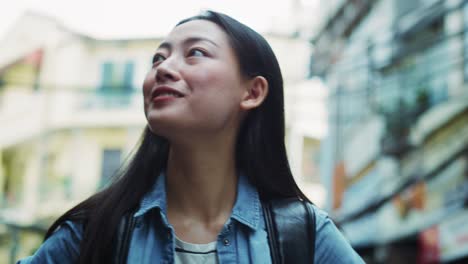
160 128
168 128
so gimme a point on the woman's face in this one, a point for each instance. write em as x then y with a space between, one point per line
194 85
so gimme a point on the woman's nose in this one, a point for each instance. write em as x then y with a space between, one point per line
166 71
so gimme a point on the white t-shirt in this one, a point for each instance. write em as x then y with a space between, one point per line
188 253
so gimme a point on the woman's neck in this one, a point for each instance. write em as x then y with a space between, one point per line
201 183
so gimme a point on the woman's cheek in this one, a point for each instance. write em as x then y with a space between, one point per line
147 86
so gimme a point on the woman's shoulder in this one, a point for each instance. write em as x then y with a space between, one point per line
331 246
322 218
72 227
61 247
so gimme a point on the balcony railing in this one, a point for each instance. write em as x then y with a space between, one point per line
25 113
108 97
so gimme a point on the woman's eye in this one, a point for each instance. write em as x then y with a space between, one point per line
196 53
158 58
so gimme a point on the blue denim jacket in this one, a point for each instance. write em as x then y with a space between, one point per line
243 238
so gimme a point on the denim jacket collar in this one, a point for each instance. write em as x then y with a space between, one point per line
247 208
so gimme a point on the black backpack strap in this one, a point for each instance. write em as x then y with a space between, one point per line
123 238
290 225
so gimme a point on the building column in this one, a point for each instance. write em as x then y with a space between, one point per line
2 178
31 180
295 149
133 135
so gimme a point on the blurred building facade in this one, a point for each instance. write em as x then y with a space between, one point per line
71 112
395 160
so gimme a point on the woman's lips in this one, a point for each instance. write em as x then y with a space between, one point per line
163 94
166 90
164 98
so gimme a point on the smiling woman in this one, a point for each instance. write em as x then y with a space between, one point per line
205 182
197 64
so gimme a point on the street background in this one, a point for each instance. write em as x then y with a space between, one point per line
376 104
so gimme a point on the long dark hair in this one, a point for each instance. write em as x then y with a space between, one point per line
260 150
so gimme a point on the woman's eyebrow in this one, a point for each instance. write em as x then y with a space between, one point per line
191 40
187 41
165 45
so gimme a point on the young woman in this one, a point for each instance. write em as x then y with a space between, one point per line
213 150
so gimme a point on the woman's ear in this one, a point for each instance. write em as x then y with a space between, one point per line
255 93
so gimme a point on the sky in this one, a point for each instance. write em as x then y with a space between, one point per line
140 18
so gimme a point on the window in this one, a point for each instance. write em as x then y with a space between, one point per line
128 76
116 77
116 86
107 73
110 164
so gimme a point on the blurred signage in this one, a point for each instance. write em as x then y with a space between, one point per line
458 195
413 199
339 182
425 203
448 188
454 236
429 251
445 242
